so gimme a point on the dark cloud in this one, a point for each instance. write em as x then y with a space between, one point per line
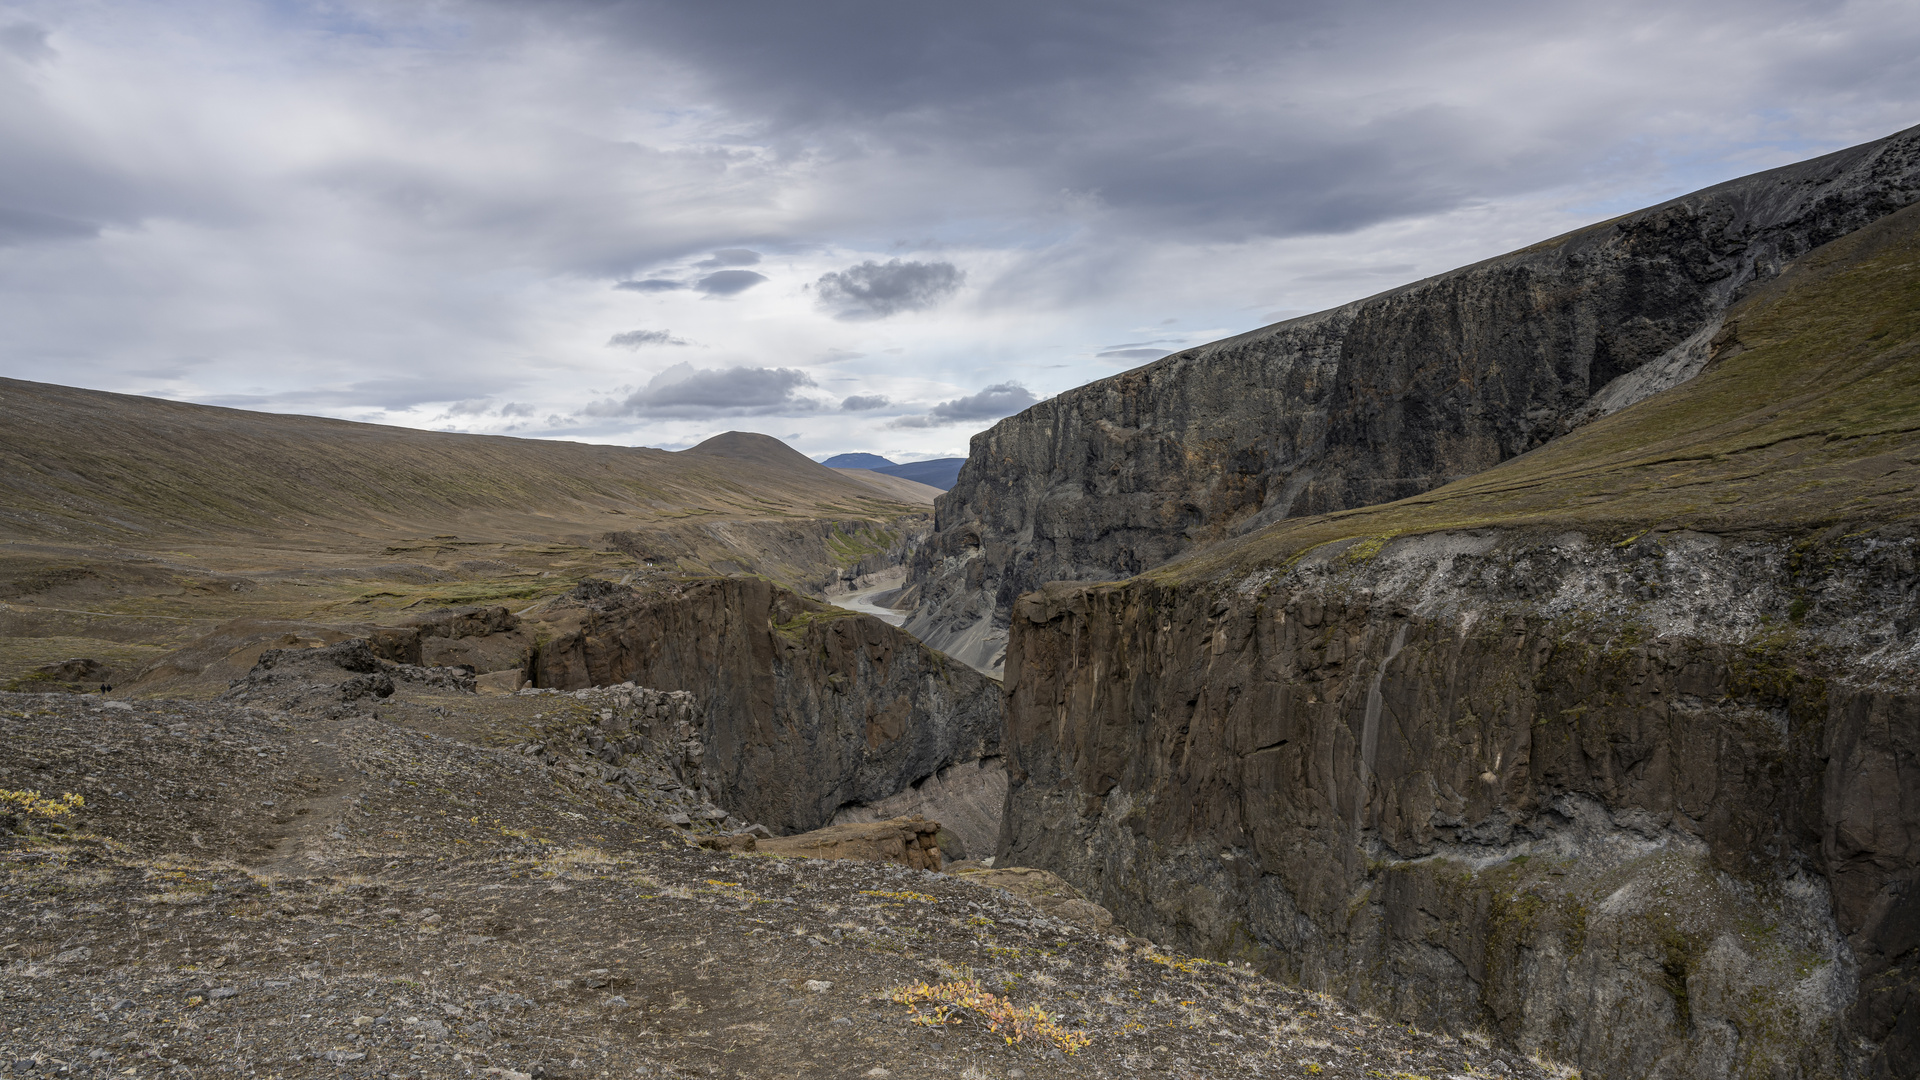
26 41
874 290
26 226
634 339
728 282
686 391
864 402
730 257
1174 116
1003 399
1230 119
650 285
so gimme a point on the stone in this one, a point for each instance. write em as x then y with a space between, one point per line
729 842
510 681
909 841
1046 891
818 986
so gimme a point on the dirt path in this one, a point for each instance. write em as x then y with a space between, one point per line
308 826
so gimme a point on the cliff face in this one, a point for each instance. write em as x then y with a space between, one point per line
1475 781
806 708
1613 749
1381 399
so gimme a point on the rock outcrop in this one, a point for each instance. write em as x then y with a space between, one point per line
808 707
334 678
1456 784
1374 401
968 800
905 841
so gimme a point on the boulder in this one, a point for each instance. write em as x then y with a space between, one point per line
1049 892
501 682
908 841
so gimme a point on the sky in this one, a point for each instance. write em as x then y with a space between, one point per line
872 226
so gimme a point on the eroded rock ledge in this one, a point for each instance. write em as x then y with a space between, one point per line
807 708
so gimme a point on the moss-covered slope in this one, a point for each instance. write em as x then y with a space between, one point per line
1807 418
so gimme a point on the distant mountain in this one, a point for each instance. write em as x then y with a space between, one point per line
857 461
938 472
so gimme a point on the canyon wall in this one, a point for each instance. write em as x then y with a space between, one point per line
1374 401
1651 808
807 709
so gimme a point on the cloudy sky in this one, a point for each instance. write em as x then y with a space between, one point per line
860 226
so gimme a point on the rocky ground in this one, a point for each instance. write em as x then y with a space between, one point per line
411 889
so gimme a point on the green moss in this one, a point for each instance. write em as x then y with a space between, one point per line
1364 550
1679 954
796 629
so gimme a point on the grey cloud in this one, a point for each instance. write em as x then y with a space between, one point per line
686 391
1172 116
1132 354
864 402
992 403
469 407
634 339
26 227
650 285
516 409
728 282
391 394
26 41
1230 119
730 257
874 290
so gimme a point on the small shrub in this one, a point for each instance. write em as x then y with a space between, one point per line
947 1001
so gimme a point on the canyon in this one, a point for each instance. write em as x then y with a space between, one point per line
1527 653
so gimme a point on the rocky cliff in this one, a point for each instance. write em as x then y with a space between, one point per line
1377 400
1612 751
807 708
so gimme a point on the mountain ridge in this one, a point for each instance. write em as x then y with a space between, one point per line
1375 400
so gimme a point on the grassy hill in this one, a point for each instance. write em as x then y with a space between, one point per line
129 525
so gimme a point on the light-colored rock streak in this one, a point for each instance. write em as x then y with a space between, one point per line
1370 729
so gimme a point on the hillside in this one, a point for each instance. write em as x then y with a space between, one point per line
130 526
415 895
82 465
906 491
